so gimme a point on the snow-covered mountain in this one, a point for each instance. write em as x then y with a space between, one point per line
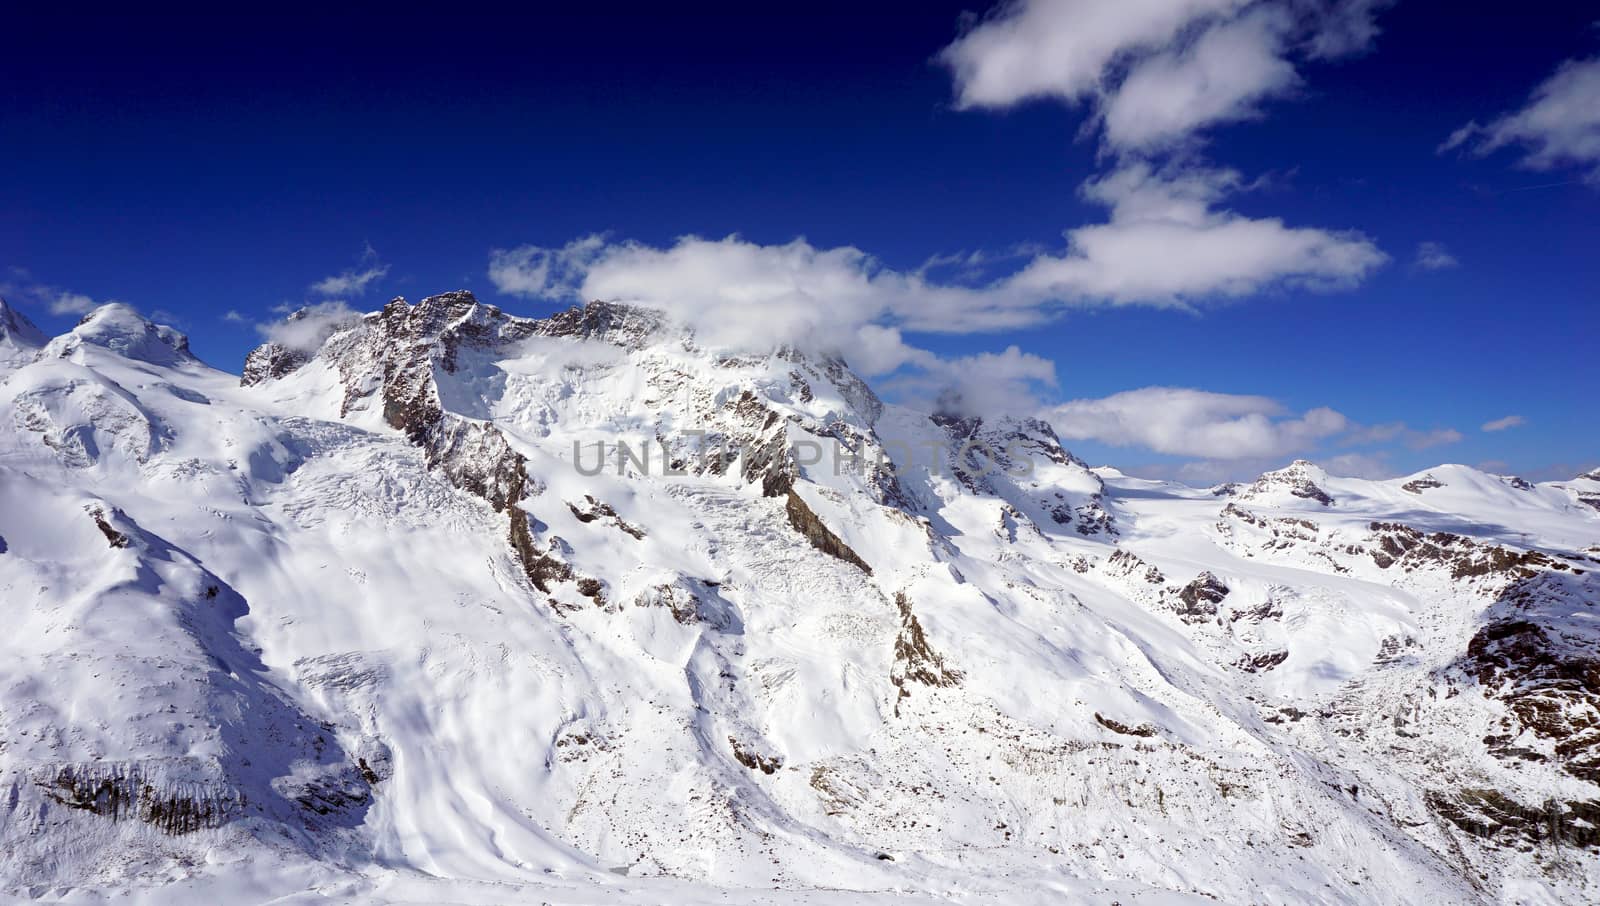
394 618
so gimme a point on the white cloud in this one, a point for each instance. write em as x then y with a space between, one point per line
1156 71
1185 422
1501 424
353 282
1230 432
1559 126
306 329
529 270
1433 256
1048 48
234 317
1219 78
1166 243
66 303
57 301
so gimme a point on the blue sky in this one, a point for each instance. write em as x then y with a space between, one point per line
200 166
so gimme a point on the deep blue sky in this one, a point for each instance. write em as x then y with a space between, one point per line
200 163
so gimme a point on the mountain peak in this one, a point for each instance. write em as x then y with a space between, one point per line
19 339
120 328
17 330
1301 478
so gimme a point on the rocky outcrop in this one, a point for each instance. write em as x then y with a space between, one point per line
915 661
620 325
1260 663
592 510
808 524
1396 545
1418 485
1128 565
1199 599
113 537
754 760
270 361
123 792
1545 668
1493 816
1117 726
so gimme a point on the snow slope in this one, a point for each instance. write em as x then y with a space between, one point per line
381 624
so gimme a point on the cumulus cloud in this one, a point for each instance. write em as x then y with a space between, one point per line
1030 49
66 303
1502 424
1227 432
529 270
1559 126
1167 242
56 300
1155 71
1433 256
233 316
306 329
1186 422
354 281
1218 78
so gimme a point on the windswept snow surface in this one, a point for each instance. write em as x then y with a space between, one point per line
371 628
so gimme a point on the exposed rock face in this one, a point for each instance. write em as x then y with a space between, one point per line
1544 665
592 510
1395 544
808 524
113 537
122 792
1117 726
1201 597
915 661
1127 564
390 356
1500 819
270 361
620 325
1259 663
1418 485
755 761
